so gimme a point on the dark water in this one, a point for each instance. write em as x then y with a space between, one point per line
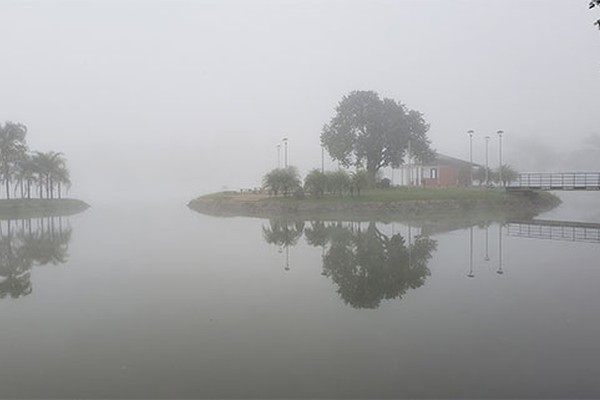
164 302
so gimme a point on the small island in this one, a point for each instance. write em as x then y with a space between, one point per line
34 182
402 204
367 134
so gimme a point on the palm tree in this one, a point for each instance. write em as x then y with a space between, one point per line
13 148
51 169
25 175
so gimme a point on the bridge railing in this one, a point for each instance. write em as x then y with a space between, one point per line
571 233
563 180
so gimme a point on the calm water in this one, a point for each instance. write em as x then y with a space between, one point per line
165 302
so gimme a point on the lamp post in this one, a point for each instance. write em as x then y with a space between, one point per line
487 145
500 132
278 155
471 132
322 159
285 152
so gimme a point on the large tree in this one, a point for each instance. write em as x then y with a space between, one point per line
373 133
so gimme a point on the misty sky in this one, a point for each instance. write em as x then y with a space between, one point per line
179 98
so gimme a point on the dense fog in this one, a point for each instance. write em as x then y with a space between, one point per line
171 99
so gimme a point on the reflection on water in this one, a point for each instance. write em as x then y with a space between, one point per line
366 264
28 242
202 307
369 265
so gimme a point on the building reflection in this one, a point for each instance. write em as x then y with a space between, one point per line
27 243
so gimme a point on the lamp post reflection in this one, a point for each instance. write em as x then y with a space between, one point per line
487 241
471 274
500 271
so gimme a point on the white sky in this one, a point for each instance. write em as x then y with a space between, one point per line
178 98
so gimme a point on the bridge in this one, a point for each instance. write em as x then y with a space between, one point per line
556 181
555 230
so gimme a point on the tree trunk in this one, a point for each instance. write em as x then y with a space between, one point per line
7 189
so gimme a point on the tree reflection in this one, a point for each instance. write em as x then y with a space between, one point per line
283 233
25 243
367 265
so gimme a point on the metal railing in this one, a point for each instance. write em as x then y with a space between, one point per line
557 181
555 230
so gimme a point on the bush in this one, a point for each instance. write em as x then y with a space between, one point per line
338 182
315 183
282 180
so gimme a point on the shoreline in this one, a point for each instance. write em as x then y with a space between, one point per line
501 205
39 208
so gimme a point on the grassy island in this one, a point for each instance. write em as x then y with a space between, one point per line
36 208
384 204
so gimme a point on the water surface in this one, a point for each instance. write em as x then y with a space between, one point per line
165 302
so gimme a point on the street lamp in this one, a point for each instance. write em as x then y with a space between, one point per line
471 132
487 145
322 159
500 132
285 151
278 155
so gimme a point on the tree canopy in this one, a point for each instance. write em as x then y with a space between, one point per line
22 169
595 3
373 133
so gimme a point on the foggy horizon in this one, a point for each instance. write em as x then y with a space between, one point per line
170 100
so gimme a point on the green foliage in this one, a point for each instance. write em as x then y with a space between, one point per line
282 180
373 132
361 180
338 182
508 173
13 148
483 175
315 183
21 169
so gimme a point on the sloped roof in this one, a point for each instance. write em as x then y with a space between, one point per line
442 159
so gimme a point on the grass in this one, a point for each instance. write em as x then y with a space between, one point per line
385 195
24 208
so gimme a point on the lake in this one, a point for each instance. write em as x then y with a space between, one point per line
160 301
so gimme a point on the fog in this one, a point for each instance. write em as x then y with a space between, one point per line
155 100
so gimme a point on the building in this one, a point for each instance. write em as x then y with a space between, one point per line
443 170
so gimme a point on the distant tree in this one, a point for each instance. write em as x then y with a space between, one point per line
52 172
509 174
282 180
483 177
13 148
373 132
20 169
315 183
